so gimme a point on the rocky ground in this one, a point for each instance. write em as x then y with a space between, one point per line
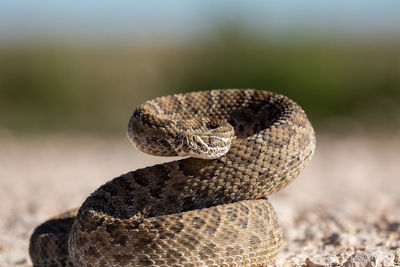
344 209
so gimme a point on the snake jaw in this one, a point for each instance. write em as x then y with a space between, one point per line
204 147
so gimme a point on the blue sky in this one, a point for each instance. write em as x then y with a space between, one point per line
176 19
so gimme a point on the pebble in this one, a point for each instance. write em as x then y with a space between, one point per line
373 258
397 257
322 261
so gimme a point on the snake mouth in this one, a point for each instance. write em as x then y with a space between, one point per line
204 147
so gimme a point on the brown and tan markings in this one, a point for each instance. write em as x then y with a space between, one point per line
210 209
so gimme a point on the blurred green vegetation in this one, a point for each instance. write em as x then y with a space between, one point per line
56 87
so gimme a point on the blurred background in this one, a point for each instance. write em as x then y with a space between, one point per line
72 72
83 67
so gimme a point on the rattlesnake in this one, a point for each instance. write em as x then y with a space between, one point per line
210 209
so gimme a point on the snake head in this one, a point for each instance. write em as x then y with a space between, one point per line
201 146
204 138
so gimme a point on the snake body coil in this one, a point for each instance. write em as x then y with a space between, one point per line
210 209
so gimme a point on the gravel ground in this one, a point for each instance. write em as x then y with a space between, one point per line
343 210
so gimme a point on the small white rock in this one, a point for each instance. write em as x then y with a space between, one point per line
360 259
373 258
322 261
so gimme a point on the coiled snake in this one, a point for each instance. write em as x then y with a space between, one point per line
210 209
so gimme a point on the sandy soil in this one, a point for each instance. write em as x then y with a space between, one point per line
343 210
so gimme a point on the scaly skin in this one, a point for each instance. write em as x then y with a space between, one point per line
207 210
